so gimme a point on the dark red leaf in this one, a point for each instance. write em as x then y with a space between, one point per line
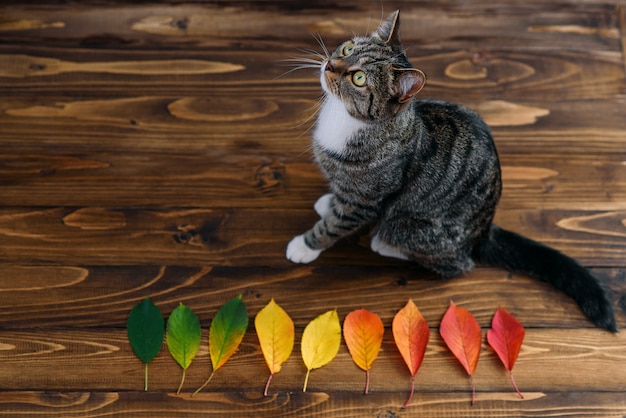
505 337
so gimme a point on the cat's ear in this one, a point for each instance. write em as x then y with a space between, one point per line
388 30
408 82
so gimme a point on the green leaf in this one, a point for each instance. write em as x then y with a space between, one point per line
226 332
183 337
146 328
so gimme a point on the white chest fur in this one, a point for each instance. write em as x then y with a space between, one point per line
335 126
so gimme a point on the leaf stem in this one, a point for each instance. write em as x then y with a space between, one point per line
515 385
182 381
204 385
267 385
306 380
473 389
145 378
367 382
408 401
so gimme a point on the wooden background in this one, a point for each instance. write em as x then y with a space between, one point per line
153 149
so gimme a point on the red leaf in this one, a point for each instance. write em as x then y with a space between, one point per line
462 335
505 337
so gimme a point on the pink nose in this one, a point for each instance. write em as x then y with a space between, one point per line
329 66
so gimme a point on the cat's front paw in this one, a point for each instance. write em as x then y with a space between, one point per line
299 252
323 205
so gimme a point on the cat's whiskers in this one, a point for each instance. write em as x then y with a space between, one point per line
304 60
321 43
299 63
313 60
314 110
313 53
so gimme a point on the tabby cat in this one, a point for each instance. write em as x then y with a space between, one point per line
423 174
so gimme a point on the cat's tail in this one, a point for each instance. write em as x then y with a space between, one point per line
518 254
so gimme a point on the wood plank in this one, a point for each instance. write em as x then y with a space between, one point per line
531 181
621 16
150 150
82 296
474 74
297 404
184 25
248 237
551 360
277 123
148 123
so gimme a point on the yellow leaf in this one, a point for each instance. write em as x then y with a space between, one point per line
275 330
320 342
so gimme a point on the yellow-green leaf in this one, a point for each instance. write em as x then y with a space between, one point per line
275 330
226 332
183 337
320 342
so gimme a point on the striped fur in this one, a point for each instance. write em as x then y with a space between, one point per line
424 175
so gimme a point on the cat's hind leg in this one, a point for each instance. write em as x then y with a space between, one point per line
426 243
323 206
448 267
379 246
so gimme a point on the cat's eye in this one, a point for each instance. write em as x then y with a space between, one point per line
348 49
359 78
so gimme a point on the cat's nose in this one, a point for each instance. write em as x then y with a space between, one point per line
329 66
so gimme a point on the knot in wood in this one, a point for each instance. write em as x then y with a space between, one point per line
270 176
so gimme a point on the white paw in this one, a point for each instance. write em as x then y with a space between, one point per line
299 252
322 206
386 250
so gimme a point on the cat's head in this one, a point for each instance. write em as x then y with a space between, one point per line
372 75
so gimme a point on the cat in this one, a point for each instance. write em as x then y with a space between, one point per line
424 175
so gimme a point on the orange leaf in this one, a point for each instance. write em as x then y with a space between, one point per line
462 335
411 333
363 332
505 337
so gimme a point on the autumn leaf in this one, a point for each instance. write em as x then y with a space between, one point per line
411 333
183 338
226 332
505 337
320 342
363 332
146 328
275 330
462 335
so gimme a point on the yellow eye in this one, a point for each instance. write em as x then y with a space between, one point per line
359 78
348 49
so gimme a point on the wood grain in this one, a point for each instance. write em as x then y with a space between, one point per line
163 150
188 123
271 181
78 296
101 359
297 404
248 237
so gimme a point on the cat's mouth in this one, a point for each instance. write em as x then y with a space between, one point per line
328 78
323 82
